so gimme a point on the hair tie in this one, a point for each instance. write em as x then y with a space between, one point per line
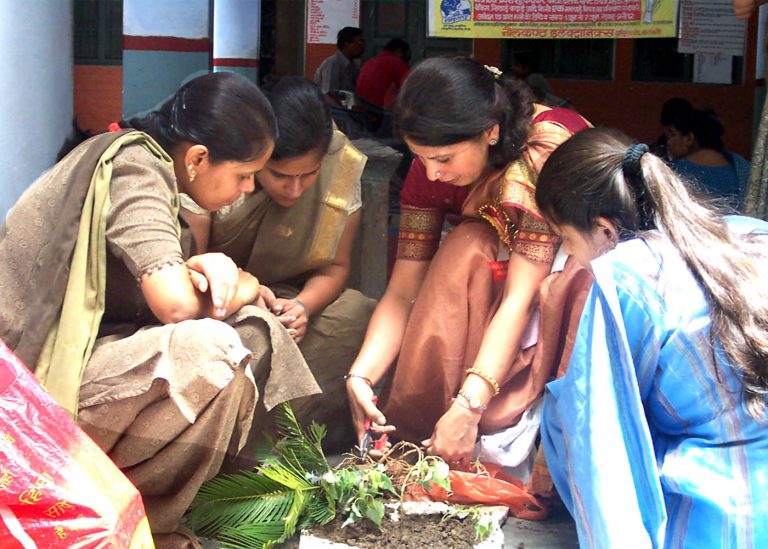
631 163
632 170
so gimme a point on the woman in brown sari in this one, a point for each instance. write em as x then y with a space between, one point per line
461 319
295 233
154 347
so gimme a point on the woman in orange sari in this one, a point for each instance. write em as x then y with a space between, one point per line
460 318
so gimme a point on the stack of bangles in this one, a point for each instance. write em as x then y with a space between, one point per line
487 378
358 376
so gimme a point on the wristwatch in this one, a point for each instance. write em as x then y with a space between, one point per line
473 404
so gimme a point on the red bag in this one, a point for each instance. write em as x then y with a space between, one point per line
57 488
492 487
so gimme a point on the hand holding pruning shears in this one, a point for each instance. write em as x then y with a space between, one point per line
373 442
370 424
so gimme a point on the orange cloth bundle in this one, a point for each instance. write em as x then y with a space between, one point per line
492 487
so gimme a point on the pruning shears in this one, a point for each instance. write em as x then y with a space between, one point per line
372 440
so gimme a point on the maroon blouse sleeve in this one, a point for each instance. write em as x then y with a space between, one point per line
423 206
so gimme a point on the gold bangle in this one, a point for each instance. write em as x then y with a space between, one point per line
488 378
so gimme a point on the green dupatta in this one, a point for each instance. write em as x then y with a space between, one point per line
70 340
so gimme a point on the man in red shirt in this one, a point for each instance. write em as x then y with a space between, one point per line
380 78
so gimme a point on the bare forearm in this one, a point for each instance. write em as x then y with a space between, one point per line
502 338
387 327
500 346
323 288
383 338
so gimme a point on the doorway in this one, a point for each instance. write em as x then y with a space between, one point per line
382 20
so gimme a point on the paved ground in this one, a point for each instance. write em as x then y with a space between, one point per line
557 532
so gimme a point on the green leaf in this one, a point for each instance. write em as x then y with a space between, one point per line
484 525
373 510
437 472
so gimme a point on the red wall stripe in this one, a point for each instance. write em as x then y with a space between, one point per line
235 62
166 43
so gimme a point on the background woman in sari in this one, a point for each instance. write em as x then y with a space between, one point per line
152 346
657 436
295 232
455 318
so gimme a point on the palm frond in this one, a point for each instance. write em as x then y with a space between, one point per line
246 497
260 507
301 447
252 536
321 509
210 520
235 486
287 475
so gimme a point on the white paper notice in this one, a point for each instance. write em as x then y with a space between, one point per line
712 68
709 26
325 18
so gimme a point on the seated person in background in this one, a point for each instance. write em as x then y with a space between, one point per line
657 432
295 232
671 109
340 70
696 150
525 68
381 77
152 345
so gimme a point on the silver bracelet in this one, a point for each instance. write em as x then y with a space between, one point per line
358 376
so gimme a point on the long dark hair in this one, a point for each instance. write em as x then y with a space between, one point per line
446 100
303 117
584 179
222 110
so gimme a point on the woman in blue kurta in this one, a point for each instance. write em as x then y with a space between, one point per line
656 436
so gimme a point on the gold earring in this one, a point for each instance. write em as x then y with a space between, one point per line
192 174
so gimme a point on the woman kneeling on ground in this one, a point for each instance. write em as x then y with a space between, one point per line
455 315
295 232
656 436
152 346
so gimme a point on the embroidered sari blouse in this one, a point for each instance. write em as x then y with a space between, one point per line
506 199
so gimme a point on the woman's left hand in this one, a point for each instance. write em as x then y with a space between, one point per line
293 316
454 436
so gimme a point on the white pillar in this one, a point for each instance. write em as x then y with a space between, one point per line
36 109
165 43
236 36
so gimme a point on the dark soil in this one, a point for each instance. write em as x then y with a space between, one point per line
410 532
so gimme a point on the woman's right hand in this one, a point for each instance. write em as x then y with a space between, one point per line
363 407
220 277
